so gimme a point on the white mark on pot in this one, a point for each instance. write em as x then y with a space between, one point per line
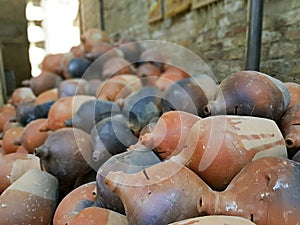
266 194
279 184
3 205
231 207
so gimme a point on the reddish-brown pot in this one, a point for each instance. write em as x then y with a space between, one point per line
98 216
66 155
148 73
100 49
9 124
12 139
250 93
7 112
116 66
294 90
170 76
14 165
218 147
163 193
169 134
92 37
113 89
64 109
154 57
290 127
47 96
266 191
44 82
57 63
215 220
77 200
21 94
29 200
32 136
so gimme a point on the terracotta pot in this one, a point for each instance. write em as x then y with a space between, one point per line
92 37
116 65
64 109
208 85
66 155
44 82
250 93
170 76
42 110
109 137
14 165
29 200
46 96
77 200
185 91
32 136
294 90
92 112
77 67
141 107
148 73
22 149
132 81
21 94
154 57
218 147
131 49
163 193
135 159
296 157
77 51
289 126
92 86
57 63
9 124
266 191
100 49
214 220
12 139
98 216
7 112
112 90
169 134
71 87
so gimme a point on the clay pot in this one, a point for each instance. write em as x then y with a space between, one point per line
64 109
130 48
135 159
184 95
115 66
296 157
213 220
250 93
71 87
152 56
132 81
218 147
7 112
92 86
29 200
92 112
170 76
109 137
112 90
42 110
77 200
169 134
208 85
77 67
25 112
66 155
148 73
290 128
92 37
46 96
98 216
12 139
44 82
163 193
9 124
57 63
14 165
77 51
141 107
32 136
101 49
266 191
294 90
22 149
21 94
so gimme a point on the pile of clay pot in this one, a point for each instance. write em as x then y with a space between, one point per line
136 140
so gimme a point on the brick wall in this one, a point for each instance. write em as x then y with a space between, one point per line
218 33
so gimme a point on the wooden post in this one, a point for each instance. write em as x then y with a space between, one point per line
2 81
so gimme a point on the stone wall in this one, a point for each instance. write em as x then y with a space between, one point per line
218 33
